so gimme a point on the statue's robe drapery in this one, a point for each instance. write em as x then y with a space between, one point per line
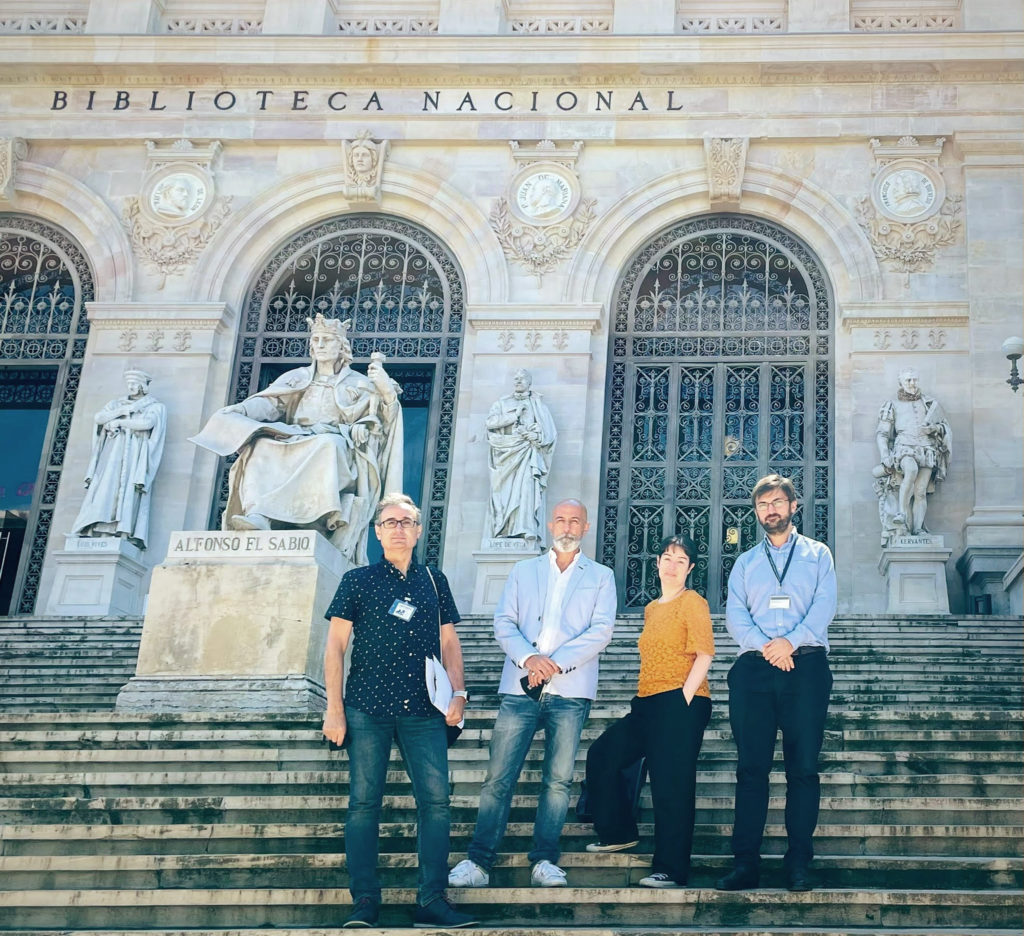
519 468
121 470
298 478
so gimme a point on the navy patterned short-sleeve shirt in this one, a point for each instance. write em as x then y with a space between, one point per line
386 676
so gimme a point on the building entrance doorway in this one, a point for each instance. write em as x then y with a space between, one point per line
720 371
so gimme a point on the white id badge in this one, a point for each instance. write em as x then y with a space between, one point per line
778 603
402 610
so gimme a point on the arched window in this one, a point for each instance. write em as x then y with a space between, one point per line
720 371
44 284
404 295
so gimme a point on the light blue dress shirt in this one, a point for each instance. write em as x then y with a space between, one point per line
810 584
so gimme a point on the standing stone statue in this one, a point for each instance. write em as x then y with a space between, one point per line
521 436
317 449
914 443
127 446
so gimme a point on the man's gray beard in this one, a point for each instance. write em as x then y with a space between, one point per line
567 543
905 397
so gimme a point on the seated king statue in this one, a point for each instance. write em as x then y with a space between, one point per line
317 449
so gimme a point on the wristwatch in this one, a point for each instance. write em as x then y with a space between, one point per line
460 694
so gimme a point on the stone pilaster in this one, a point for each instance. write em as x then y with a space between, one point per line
300 18
644 17
473 17
819 16
187 348
556 344
994 191
124 17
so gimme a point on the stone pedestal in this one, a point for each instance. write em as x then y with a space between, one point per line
494 561
97 575
915 570
982 569
235 622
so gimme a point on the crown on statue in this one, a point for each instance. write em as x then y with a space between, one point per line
328 326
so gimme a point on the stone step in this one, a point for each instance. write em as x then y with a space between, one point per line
241 768
187 780
483 930
211 834
136 872
960 717
322 804
569 906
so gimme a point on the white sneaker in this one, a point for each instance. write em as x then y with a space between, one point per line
658 879
468 874
546 874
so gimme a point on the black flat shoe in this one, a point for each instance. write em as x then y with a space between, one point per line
799 880
738 879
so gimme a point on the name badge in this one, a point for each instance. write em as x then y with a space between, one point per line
404 611
778 603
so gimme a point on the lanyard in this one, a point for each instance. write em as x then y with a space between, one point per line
771 561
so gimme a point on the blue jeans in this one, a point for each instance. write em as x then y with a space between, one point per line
423 744
519 717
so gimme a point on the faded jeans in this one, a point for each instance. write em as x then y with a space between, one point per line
423 744
519 717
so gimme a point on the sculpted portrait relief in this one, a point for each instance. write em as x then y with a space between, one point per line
544 196
317 449
908 191
178 197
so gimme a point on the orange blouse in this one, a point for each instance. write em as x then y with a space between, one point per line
674 633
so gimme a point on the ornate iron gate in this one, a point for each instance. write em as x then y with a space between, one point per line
45 282
404 294
720 371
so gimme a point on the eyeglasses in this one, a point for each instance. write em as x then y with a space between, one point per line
406 523
777 504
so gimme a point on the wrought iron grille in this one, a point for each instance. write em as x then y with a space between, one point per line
45 282
403 292
720 371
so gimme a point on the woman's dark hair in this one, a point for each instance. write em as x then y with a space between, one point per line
684 542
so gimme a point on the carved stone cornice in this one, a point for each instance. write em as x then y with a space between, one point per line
545 316
895 314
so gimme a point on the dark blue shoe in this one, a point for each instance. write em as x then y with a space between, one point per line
364 913
440 913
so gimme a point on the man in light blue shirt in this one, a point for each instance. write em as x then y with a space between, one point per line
782 598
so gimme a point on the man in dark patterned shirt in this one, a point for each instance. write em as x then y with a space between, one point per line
398 615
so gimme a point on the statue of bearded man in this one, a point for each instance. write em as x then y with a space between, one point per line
317 449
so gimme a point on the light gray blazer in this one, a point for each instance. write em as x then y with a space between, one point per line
588 618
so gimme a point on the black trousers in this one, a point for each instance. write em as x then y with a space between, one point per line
763 699
669 732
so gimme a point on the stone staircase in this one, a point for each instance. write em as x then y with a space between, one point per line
120 823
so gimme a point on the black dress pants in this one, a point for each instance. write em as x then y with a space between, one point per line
763 699
669 732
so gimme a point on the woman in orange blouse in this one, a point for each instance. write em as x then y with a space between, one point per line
666 723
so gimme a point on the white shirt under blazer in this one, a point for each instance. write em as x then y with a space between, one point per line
583 630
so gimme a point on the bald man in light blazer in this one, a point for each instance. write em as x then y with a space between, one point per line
555 616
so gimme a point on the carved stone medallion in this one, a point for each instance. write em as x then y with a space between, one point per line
908 190
544 195
177 194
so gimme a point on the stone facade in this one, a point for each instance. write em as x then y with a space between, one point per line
797 113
